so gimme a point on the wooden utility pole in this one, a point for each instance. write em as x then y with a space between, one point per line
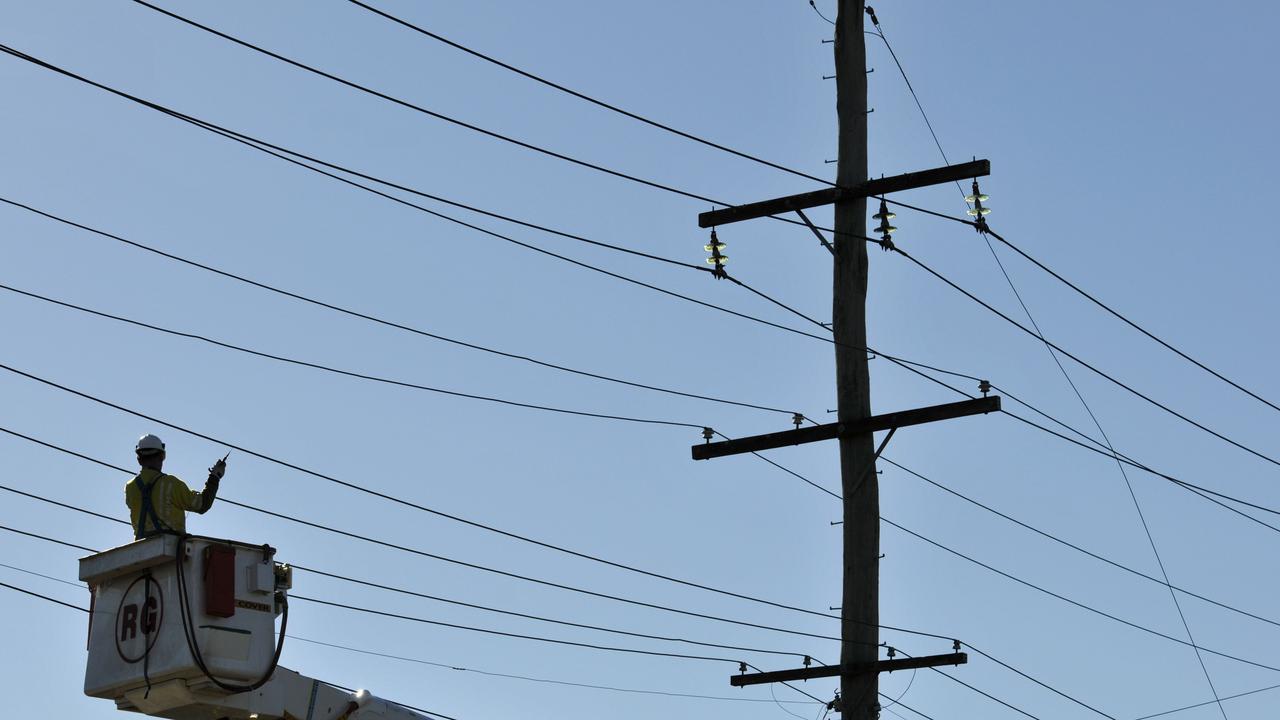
860 665
860 608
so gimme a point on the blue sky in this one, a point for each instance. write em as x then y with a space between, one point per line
1132 148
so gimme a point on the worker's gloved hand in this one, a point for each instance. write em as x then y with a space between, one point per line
218 470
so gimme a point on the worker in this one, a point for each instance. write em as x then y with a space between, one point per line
157 502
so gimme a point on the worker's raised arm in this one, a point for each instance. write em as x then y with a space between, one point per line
210 492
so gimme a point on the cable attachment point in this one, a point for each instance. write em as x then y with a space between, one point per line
978 212
808 661
742 668
797 418
716 260
871 12
984 386
955 645
707 434
892 652
885 229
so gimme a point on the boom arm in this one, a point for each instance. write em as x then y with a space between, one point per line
286 696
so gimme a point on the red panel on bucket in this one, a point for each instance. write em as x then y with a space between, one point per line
220 580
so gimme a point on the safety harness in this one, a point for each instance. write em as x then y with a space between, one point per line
147 512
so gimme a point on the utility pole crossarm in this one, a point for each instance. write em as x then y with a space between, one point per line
831 431
878 666
828 196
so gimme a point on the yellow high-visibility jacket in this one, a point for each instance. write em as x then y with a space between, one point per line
171 499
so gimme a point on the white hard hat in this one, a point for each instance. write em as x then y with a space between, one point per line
148 444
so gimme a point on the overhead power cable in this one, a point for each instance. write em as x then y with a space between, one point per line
1078 548
1091 298
1100 449
425 111
1039 682
294 518
528 678
518 636
265 149
435 598
347 373
33 573
1076 603
282 153
457 122
417 506
1133 495
46 538
44 597
985 694
1084 364
1131 323
422 553
581 96
382 321
1095 446
512 613
543 680
1209 702
1015 708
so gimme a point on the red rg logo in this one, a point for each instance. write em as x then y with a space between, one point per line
138 619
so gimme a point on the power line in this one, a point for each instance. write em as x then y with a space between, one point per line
426 596
1041 683
47 539
581 96
417 506
413 593
1203 493
1208 702
237 137
986 232
382 321
1091 298
1102 450
44 597
900 361
1024 675
1132 324
903 705
518 636
984 693
281 153
1078 548
42 575
1077 603
425 111
423 553
1086 365
406 549
347 373
757 650
454 121
879 32
527 678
